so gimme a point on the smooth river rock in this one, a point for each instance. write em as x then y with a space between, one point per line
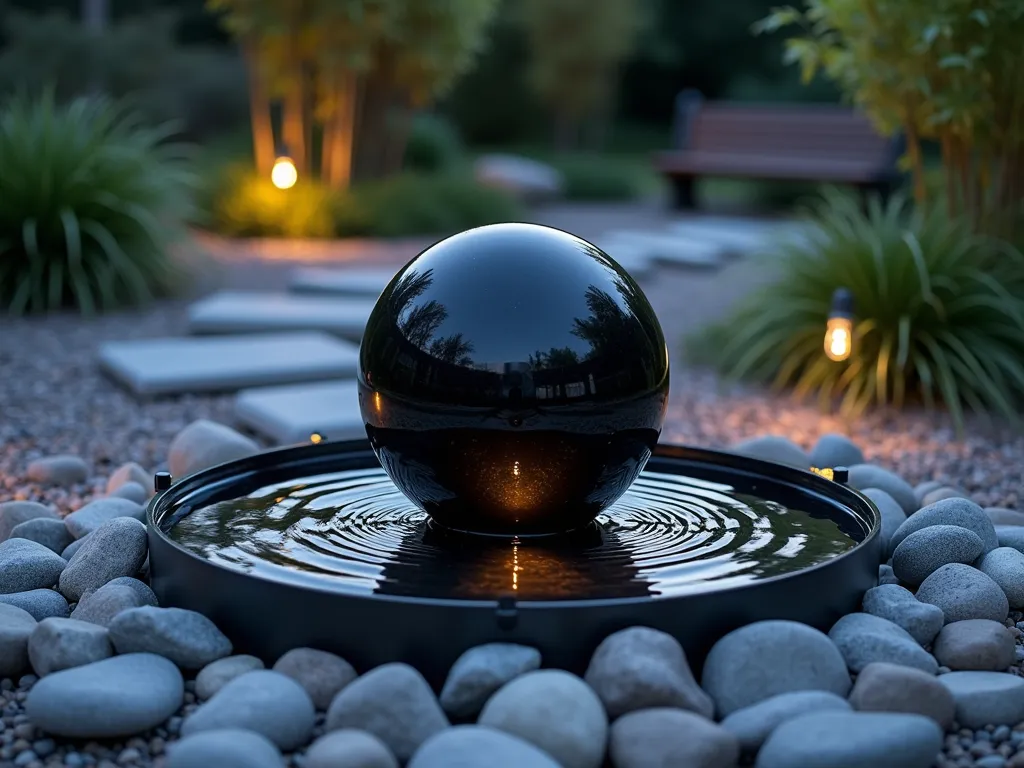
49 532
262 701
883 687
119 696
58 644
986 698
351 749
475 746
863 638
669 737
41 603
102 605
322 674
16 626
482 670
187 638
117 548
94 514
766 658
925 551
130 473
835 450
853 740
132 492
1005 566
963 592
555 711
26 565
394 703
204 444
781 450
960 512
752 725
897 604
65 470
13 513
219 673
892 515
640 668
1011 536
224 748
975 644
1003 516
869 476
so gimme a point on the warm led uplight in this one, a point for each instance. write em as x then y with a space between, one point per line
515 468
316 438
839 328
284 173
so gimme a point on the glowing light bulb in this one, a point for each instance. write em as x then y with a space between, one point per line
839 328
515 468
284 174
316 438
515 563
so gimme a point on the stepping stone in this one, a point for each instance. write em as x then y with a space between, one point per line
366 282
736 234
256 312
629 256
665 248
174 366
291 414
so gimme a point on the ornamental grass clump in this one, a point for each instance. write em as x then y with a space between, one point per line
939 313
90 203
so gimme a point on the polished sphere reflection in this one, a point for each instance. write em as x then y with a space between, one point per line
513 380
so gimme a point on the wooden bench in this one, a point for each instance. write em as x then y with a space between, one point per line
784 142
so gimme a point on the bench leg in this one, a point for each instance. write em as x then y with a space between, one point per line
683 194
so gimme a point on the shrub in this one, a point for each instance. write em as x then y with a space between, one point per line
434 145
596 177
89 203
940 313
244 205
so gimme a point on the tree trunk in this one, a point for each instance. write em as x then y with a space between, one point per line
259 113
339 133
400 123
372 134
293 130
916 160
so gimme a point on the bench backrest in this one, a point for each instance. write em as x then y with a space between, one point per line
781 130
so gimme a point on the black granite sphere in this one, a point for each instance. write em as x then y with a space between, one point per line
513 380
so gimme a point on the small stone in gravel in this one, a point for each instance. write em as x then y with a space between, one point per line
863 638
882 687
27 565
219 673
869 476
129 473
962 512
853 740
753 724
16 626
891 601
1003 516
641 668
58 470
482 670
886 576
394 703
204 444
13 513
51 533
1005 566
131 492
41 603
353 749
781 450
72 549
99 607
555 711
266 702
671 737
923 489
322 674
473 746
892 515
767 658
140 588
1011 536
986 698
942 492
187 638
96 513
963 592
925 551
58 644
976 644
119 696
224 748
117 548
835 450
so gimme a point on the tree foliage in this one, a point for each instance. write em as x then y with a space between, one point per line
359 68
951 71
